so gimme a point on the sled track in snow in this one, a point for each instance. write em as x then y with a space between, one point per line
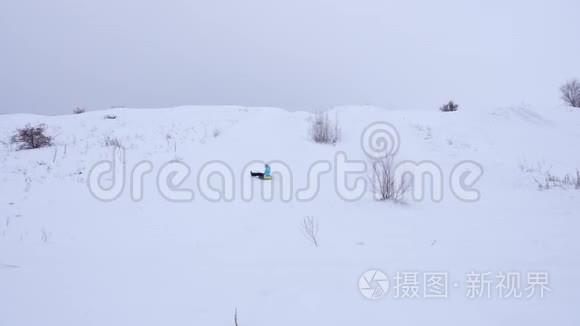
530 116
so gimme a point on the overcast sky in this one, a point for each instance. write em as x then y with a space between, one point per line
299 54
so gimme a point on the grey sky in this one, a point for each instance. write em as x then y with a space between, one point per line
306 54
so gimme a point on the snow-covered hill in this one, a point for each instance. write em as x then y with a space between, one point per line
69 258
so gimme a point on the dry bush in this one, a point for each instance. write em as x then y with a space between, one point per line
113 142
110 117
79 110
449 107
571 93
551 181
216 132
323 130
384 180
310 229
31 137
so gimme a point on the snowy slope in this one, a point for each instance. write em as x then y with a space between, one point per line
67 258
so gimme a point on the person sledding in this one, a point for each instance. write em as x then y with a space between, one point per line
264 176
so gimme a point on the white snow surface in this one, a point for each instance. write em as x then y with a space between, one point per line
67 258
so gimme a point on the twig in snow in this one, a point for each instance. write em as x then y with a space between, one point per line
310 229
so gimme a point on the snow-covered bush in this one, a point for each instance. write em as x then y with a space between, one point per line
79 110
449 107
323 130
571 93
31 137
216 132
384 180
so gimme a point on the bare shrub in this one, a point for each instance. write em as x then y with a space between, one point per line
551 181
113 142
310 229
79 110
449 107
110 117
571 93
384 180
216 132
31 137
323 130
